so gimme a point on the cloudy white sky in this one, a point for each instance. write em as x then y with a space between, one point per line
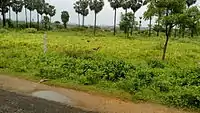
105 17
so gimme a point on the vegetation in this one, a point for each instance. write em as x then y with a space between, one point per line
130 64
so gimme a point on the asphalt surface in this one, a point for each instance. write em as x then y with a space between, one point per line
11 102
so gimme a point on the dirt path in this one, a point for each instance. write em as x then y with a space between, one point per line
84 100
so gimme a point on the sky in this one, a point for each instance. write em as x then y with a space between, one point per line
105 17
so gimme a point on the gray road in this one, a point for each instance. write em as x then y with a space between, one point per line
15 103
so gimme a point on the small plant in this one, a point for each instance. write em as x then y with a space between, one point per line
30 30
2 30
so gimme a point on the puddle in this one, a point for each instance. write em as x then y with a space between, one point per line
52 96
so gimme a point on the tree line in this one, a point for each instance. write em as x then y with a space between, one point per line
171 15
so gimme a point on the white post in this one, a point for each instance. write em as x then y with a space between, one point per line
45 42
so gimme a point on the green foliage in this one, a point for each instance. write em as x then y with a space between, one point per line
30 30
65 17
2 30
109 62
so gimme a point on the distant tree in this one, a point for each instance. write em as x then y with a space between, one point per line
46 21
115 4
77 10
126 22
151 11
126 4
65 18
40 5
17 8
4 9
52 11
57 23
96 6
135 6
31 7
84 9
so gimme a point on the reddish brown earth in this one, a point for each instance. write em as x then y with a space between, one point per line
83 100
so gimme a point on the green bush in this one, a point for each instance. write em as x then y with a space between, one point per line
2 30
30 30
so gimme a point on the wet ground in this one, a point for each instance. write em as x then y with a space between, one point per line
70 97
15 103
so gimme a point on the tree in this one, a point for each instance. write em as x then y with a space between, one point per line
126 22
126 4
115 4
52 11
31 7
40 6
17 8
173 10
65 18
84 9
4 9
46 21
193 17
135 6
96 6
77 10
151 11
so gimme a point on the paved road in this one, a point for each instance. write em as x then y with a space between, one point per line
15 103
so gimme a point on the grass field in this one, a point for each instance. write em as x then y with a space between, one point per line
109 63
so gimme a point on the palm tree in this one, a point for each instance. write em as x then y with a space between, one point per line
65 18
25 8
126 4
40 11
17 7
31 7
135 5
84 9
52 11
190 2
115 4
4 9
77 10
97 6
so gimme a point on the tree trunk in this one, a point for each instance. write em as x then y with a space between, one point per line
115 21
38 21
30 18
65 25
133 23
17 19
95 23
150 27
126 29
26 18
166 43
83 21
79 23
4 19
9 13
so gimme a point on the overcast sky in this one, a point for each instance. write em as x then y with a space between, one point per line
105 17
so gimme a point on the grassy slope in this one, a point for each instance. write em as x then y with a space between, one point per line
21 52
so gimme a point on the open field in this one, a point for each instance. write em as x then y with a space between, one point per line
109 63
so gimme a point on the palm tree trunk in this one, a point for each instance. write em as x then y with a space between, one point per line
38 21
17 19
4 19
115 21
150 26
95 23
9 13
83 21
79 23
133 25
26 18
30 18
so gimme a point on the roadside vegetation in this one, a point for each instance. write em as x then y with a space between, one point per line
160 64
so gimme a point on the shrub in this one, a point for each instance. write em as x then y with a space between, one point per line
30 30
2 30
